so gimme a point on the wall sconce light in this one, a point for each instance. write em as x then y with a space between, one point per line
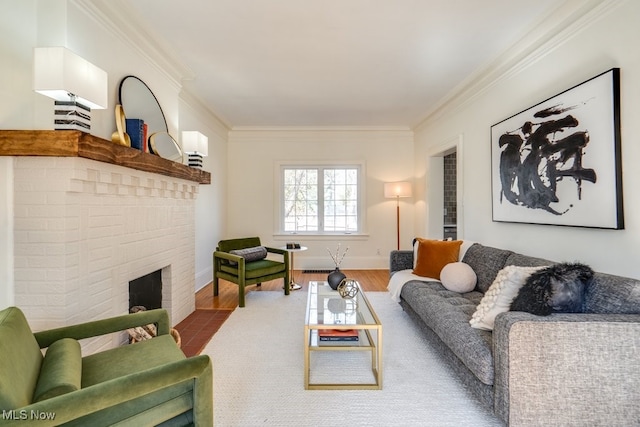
396 190
196 146
76 85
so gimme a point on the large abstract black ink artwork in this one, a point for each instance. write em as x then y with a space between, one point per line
559 161
534 160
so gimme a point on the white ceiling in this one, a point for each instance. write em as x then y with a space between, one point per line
334 62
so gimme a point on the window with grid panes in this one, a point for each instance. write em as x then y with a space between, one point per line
321 199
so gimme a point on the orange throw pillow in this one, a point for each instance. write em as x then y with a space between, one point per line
433 255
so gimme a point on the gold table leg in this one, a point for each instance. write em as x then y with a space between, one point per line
292 283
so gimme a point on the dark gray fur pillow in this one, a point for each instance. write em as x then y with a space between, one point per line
255 253
559 288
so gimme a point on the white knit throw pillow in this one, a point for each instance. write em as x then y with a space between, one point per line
500 294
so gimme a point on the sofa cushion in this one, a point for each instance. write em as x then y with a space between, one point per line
499 296
558 288
61 370
147 354
404 258
433 255
612 294
458 277
256 269
447 313
254 253
20 360
235 244
129 359
486 262
527 261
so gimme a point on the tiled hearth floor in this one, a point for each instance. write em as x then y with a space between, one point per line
198 328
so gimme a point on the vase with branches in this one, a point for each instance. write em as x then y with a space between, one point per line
336 276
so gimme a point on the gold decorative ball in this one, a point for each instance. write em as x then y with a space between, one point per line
348 288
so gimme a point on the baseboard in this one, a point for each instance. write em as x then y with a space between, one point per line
203 278
325 264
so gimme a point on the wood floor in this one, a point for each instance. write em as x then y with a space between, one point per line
211 312
370 281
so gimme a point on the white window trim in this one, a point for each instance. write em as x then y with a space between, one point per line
278 204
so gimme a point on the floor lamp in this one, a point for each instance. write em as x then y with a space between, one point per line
396 190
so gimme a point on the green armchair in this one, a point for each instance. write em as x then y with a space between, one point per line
147 383
243 262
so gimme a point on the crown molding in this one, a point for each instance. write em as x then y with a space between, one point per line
116 17
546 35
121 20
204 114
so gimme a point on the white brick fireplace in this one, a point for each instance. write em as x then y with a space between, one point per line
84 229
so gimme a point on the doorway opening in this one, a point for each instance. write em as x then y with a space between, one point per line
445 190
450 210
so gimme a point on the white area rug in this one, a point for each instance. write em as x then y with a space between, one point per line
258 374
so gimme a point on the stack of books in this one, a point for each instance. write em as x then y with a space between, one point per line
338 334
137 130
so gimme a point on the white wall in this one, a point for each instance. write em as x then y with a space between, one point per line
211 206
97 32
254 156
17 37
26 24
604 40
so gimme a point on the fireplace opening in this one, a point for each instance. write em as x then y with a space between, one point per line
146 291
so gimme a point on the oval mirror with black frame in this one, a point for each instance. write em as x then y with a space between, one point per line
163 144
139 102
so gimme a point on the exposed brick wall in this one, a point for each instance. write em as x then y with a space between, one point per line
84 229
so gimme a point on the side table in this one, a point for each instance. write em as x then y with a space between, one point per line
292 283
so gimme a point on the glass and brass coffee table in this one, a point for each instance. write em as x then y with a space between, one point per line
328 312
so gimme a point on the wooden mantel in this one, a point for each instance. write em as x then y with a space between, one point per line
73 143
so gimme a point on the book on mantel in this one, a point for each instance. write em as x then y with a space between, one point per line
135 129
338 334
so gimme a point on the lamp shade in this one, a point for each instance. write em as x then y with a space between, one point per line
58 72
393 190
193 142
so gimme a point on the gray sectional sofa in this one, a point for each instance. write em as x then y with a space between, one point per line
579 369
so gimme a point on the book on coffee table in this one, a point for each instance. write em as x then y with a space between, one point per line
338 334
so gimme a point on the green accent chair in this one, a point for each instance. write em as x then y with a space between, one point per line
236 269
146 383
